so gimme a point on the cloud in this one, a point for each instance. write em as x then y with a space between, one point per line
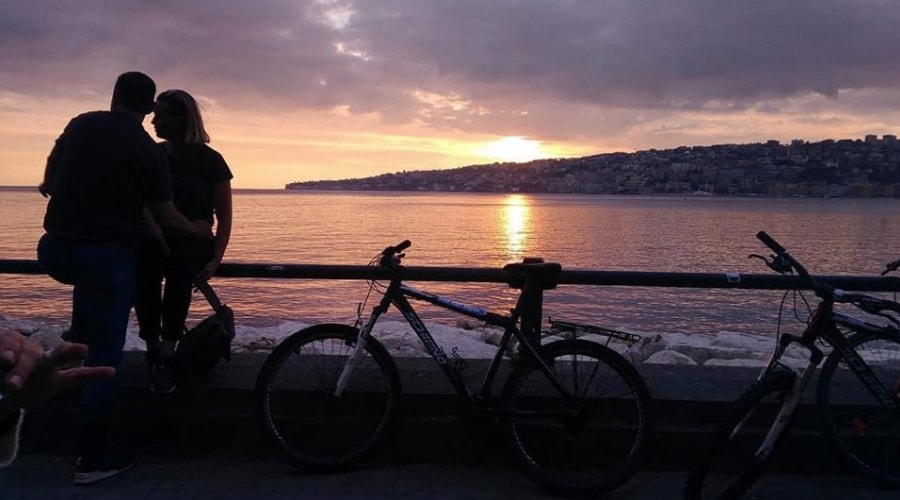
504 65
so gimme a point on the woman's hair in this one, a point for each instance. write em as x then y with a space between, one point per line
185 105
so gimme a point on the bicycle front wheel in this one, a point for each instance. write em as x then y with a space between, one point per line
865 431
296 401
589 443
737 455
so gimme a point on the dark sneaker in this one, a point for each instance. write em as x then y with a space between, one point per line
89 471
69 336
162 376
150 358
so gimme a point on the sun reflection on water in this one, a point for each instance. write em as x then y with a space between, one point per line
515 223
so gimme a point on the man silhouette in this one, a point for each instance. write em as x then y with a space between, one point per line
102 171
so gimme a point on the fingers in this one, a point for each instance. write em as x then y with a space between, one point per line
18 356
203 228
65 352
72 377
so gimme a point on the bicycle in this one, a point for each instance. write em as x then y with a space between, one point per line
576 412
858 393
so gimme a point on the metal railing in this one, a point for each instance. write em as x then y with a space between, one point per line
496 275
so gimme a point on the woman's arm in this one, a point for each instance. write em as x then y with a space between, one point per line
223 211
171 219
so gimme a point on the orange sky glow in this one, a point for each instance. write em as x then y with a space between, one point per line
335 89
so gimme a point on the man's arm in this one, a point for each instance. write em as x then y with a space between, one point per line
51 170
151 228
171 219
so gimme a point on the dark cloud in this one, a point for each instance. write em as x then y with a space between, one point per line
504 57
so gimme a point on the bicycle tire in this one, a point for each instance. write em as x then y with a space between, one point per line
593 451
866 434
296 407
731 465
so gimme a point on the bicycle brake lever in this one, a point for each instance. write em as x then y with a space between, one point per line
778 263
760 257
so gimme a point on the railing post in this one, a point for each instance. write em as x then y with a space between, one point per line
532 311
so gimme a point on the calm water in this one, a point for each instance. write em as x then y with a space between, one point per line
832 236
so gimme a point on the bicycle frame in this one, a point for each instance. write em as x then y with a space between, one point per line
398 293
824 325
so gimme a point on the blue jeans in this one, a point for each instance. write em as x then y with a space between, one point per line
103 276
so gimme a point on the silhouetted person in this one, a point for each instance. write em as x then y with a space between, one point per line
99 175
201 183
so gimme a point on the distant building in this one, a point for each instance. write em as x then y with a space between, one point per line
871 139
890 138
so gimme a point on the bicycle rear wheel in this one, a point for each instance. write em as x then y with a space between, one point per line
588 444
865 432
735 461
297 407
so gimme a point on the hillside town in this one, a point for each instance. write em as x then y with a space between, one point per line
860 168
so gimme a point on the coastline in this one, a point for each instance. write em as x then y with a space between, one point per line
410 192
686 195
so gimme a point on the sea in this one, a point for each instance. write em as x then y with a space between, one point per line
697 234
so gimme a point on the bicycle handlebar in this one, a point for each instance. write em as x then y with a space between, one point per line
782 253
869 304
390 256
770 242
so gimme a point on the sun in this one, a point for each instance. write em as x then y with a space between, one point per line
514 149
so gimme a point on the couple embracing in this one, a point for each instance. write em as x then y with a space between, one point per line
124 213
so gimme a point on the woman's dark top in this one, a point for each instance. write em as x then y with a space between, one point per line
195 169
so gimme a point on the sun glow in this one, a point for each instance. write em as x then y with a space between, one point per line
515 221
514 148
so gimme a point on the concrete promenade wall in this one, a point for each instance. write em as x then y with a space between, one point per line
219 415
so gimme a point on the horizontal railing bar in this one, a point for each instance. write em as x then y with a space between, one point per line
496 275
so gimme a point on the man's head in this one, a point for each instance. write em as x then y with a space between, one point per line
134 92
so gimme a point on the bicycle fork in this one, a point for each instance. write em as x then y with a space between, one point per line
356 354
794 395
798 383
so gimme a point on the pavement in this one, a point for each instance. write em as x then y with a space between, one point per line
206 444
226 476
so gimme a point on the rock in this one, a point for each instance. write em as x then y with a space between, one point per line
745 362
670 358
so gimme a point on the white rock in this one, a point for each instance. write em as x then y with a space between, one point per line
736 362
670 358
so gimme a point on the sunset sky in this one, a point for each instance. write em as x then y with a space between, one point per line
298 90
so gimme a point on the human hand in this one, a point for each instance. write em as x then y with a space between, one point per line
208 271
31 375
202 228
